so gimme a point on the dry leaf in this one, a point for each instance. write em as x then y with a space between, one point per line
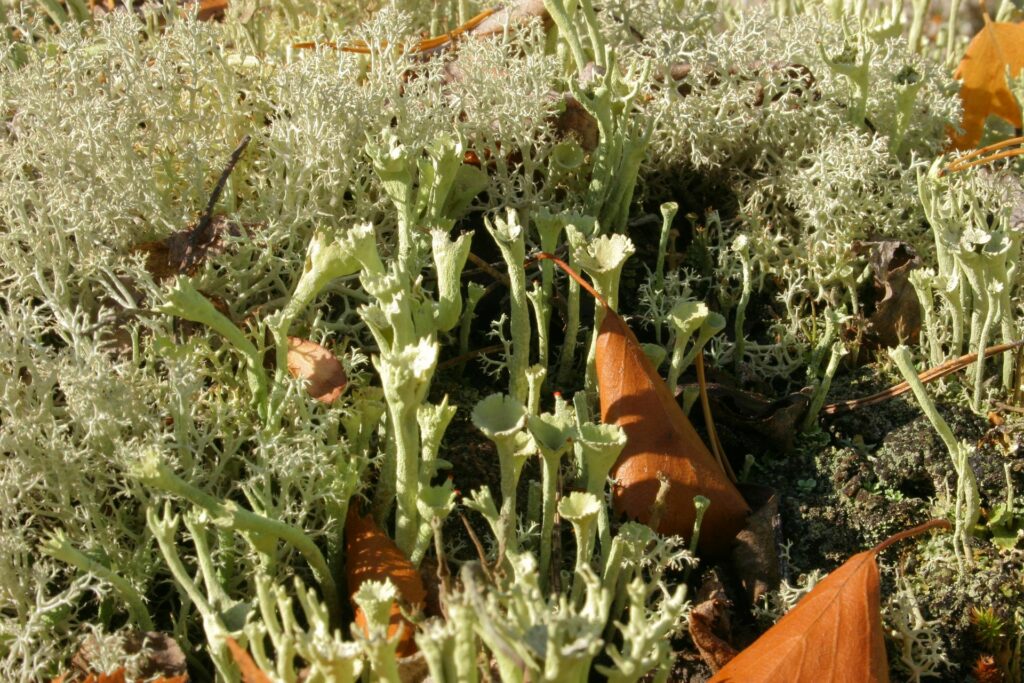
984 90
755 556
210 10
896 318
182 252
319 367
372 556
117 676
660 439
250 672
709 624
714 650
833 634
772 424
151 656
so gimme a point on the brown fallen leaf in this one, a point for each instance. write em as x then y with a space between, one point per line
250 672
118 676
984 90
150 655
321 369
211 10
896 318
661 439
772 423
755 556
183 251
833 634
709 624
370 555
112 677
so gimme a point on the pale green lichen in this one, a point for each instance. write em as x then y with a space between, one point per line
342 225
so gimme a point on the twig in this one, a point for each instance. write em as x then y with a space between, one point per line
202 233
489 269
493 348
479 548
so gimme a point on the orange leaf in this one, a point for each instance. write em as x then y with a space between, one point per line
833 634
372 556
983 71
113 677
312 362
660 438
250 672
212 10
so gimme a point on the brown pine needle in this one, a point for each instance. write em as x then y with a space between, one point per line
949 367
709 422
360 46
971 159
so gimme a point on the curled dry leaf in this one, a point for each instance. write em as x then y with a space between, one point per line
661 439
372 556
320 368
112 677
984 90
118 676
709 624
833 634
755 556
150 655
772 423
714 650
182 252
250 672
896 318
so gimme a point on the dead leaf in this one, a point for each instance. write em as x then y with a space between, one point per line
773 423
372 556
896 318
209 10
160 656
661 439
714 650
319 367
250 672
117 676
984 90
182 252
709 624
755 555
573 120
833 634
151 655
